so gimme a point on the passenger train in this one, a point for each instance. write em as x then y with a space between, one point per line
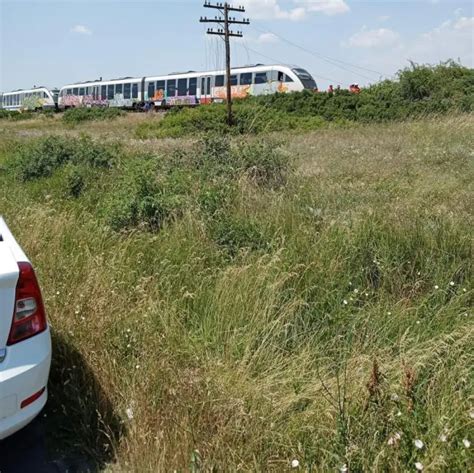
184 88
31 99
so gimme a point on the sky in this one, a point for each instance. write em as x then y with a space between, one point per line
340 42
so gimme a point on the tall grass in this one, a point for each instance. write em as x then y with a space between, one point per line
308 299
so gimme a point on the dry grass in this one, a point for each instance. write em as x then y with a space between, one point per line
203 362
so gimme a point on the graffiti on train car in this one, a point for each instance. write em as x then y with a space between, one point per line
32 102
237 91
120 101
182 100
91 101
159 95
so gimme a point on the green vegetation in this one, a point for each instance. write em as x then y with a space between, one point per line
15 116
233 303
418 91
74 116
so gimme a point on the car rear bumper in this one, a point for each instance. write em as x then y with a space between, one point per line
23 373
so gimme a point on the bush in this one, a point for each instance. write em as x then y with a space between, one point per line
145 199
16 116
78 115
236 233
41 157
75 181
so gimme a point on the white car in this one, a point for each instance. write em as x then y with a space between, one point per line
25 339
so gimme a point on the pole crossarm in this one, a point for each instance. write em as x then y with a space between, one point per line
222 33
221 6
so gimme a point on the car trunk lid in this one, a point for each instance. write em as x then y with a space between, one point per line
9 272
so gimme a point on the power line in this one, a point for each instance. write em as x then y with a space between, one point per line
277 61
333 61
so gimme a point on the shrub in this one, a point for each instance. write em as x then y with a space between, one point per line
41 157
75 181
145 199
16 116
82 114
264 163
235 233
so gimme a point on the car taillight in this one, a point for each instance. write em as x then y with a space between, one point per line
29 317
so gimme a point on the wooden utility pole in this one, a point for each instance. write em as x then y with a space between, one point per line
226 34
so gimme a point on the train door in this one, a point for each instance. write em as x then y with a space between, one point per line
205 90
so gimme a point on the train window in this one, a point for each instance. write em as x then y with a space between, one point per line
126 91
75 91
151 90
182 86
134 91
261 78
219 81
110 92
103 92
69 91
160 85
193 86
171 88
118 88
288 78
246 78
281 76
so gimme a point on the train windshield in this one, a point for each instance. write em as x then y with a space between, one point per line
306 78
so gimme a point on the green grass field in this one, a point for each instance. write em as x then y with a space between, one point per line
235 304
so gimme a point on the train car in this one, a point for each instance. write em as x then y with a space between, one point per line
38 98
126 92
192 88
186 88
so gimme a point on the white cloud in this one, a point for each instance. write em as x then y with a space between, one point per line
383 18
267 38
272 10
378 38
452 39
81 29
328 7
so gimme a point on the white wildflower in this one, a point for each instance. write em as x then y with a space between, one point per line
443 438
419 466
471 414
464 289
394 397
344 469
389 313
398 414
295 463
466 443
345 302
451 283
129 412
436 287
419 444
356 291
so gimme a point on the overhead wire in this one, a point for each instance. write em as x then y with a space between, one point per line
277 61
333 61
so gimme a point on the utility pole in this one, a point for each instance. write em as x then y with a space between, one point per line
225 33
